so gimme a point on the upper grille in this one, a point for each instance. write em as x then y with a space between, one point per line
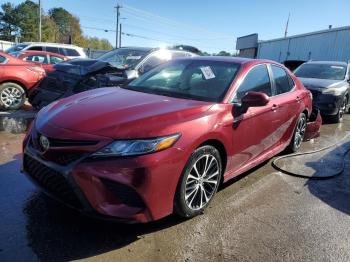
66 158
51 180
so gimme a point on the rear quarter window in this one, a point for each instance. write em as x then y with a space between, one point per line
282 80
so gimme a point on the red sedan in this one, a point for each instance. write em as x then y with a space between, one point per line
165 142
17 77
46 59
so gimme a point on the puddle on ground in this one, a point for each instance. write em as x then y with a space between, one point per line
14 125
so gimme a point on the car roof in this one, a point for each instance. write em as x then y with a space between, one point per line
145 49
49 44
232 59
339 63
41 52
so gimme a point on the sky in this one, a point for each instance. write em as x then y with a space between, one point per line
211 26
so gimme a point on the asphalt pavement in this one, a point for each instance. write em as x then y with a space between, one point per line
262 215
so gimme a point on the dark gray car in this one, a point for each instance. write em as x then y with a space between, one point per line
329 84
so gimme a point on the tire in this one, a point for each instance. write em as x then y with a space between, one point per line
342 110
195 190
12 96
298 135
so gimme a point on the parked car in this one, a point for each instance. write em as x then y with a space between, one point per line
166 141
114 68
328 82
17 77
46 59
70 51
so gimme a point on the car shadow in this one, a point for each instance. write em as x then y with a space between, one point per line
335 191
56 233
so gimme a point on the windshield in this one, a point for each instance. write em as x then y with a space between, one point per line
189 79
16 48
321 71
126 58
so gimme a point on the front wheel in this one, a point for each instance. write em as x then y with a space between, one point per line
299 134
342 110
199 182
12 96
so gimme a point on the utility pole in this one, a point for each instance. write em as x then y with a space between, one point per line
120 35
117 27
39 20
286 30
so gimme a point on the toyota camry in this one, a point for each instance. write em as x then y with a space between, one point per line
164 143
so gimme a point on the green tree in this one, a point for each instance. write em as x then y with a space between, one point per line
9 22
223 53
58 26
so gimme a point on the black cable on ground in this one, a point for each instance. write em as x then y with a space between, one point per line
274 163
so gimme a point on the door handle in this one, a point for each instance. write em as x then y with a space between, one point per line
274 107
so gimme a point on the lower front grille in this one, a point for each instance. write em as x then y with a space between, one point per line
50 180
124 193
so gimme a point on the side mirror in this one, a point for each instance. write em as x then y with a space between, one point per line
254 99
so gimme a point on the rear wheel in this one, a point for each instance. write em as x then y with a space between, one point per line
199 182
12 96
299 134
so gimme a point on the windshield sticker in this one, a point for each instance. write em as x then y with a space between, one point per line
337 67
207 72
133 57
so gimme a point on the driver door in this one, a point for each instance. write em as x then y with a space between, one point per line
253 131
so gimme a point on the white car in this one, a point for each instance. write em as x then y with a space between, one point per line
70 51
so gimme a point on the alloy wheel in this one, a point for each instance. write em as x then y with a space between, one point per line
202 182
300 132
11 97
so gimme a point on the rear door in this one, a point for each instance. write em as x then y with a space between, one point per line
253 131
287 100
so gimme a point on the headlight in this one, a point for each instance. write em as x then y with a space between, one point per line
333 91
137 147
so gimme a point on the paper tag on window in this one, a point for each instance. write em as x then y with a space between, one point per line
207 72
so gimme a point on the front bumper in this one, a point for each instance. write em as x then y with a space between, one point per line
327 104
138 189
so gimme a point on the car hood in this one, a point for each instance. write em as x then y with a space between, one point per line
85 66
120 113
315 84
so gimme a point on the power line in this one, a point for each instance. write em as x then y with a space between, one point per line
168 21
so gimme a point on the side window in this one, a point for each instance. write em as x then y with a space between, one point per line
2 59
52 49
55 59
256 80
35 48
42 59
282 80
71 52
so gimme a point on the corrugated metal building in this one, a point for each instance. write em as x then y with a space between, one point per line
332 44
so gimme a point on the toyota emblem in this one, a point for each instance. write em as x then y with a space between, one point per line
44 143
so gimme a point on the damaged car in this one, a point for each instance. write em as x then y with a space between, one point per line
114 68
329 83
167 140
